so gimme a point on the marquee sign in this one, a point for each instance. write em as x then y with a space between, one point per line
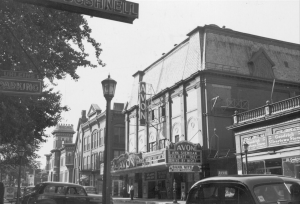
127 160
20 83
117 10
185 153
136 160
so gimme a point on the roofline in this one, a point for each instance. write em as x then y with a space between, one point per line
211 29
165 55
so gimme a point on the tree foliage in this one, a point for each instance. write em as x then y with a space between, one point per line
51 43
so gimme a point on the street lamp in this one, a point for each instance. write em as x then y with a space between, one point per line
174 192
21 154
109 87
246 146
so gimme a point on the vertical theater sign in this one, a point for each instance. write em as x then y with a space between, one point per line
117 10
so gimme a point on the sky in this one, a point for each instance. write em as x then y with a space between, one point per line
128 48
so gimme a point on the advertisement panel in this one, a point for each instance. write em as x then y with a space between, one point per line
285 138
280 139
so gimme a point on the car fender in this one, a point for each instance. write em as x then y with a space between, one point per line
46 201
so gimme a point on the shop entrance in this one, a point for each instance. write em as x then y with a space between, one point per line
179 178
139 180
151 187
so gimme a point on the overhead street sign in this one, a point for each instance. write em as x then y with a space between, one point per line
24 83
117 10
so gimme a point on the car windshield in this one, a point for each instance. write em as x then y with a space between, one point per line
90 190
270 193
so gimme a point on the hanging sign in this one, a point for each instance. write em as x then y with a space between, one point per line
20 83
117 10
184 168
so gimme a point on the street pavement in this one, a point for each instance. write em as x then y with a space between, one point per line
119 200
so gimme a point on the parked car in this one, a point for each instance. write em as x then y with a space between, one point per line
27 189
95 196
245 189
90 189
92 193
56 193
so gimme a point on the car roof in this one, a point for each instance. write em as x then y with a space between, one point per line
250 180
61 183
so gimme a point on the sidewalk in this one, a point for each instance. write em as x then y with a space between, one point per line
120 200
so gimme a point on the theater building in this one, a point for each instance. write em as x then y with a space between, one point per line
181 105
272 132
89 145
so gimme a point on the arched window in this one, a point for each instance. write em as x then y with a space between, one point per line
88 162
92 141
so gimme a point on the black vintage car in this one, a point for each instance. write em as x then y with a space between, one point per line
56 193
245 189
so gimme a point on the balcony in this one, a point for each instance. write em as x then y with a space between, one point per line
270 110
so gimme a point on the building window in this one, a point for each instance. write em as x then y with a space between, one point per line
162 144
118 153
176 138
84 144
92 141
152 146
88 142
119 135
92 161
152 114
101 138
163 111
88 162
101 156
84 165
97 139
66 176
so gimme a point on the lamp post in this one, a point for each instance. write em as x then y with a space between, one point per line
174 192
21 154
246 146
109 87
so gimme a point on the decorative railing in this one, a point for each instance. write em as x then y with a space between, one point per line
267 110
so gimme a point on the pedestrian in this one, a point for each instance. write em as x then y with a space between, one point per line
182 195
1 192
131 191
124 192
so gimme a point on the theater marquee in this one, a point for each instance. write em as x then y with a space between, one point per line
117 10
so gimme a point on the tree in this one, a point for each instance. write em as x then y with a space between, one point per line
51 43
